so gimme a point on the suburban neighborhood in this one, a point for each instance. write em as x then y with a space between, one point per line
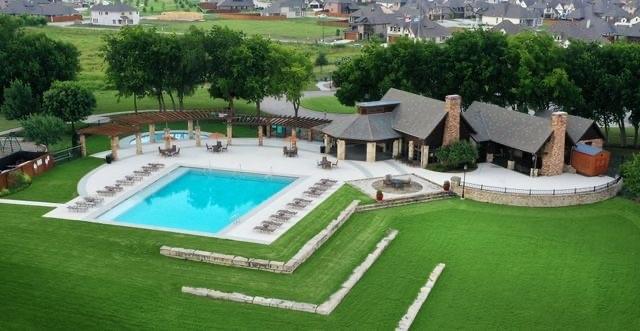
320 164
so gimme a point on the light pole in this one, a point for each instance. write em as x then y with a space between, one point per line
464 180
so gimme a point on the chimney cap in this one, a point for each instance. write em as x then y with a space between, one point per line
453 97
559 113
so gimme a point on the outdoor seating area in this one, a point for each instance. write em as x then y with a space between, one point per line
282 216
290 152
85 204
169 152
130 180
217 148
326 164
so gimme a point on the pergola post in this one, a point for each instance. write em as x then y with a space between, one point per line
83 145
310 137
138 143
198 136
424 156
115 143
293 137
167 136
269 130
341 149
152 133
327 144
190 128
410 151
229 132
395 150
371 152
260 135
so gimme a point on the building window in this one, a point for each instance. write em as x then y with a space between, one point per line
114 21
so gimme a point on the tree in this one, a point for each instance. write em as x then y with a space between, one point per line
43 129
70 102
631 173
19 102
226 56
296 74
321 60
188 70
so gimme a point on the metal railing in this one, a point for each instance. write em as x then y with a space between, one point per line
67 154
571 191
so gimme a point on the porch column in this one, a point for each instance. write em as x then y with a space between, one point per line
229 133
371 152
152 133
115 143
341 152
310 135
268 130
424 156
83 145
167 141
138 143
260 136
293 137
327 144
198 136
395 150
190 128
400 146
410 151
384 147
489 157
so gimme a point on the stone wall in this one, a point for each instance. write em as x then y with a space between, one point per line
452 122
412 312
527 200
324 308
261 264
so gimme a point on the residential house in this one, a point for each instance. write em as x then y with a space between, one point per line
235 5
508 28
340 7
286 8
418 29
117 14
52 11
590 28
315 5
391 4
4 3
516 14
370 22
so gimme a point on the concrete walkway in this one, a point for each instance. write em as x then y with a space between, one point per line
283 108
30 203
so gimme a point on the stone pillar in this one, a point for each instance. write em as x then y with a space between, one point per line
384 147
138 143
310 135
198 136
489 157
452 122
268 130
327 144
229 133
553 158
115 144
260 135
190 128
83 145
294 137
395 149
341 153
371 152
152 133
167 142
424 156
410 151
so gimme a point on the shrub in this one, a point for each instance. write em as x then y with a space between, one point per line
322 60
456 155
4 192
631 173
43 129
18 180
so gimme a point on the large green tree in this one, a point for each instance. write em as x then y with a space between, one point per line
43 129
188 71
69 101
19 101
296 74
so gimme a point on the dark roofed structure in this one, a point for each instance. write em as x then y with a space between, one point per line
115 7
53 11
370 127
416 115
578 128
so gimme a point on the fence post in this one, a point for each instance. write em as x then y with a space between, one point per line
554 191
529 191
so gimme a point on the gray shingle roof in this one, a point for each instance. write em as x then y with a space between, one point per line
24 7
508 10
426 28
590 28
576 126
507 127
509 28
416 115
115 7
373 127
236 3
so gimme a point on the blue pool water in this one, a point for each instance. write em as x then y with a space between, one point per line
197 200
176 135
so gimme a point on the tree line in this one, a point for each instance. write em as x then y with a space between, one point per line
528 72
143 63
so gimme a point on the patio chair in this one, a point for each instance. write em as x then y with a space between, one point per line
97 200
327 180
216 149
125 182
285 151
293 152
86 204
286 211
133 178
163 152
273 223
140 173
114 188
298 204
77 209
106 193
281 217
209 148
302 200
149 169
312 193
265 228
225 148
156 165
175 152
335 164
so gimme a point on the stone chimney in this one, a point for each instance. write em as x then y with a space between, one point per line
452 122
553 158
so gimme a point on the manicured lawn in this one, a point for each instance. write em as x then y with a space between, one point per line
58 184
327 104
6 124
507 267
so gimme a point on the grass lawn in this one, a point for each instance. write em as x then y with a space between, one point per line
507 267
327 104
6 124
58 184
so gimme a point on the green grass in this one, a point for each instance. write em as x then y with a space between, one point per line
507 267
58 184
6 124
327 104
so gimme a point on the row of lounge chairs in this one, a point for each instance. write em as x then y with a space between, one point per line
86 203
173 151
284 215
129 180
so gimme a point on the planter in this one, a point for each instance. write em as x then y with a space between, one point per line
379 195
446 186
108 158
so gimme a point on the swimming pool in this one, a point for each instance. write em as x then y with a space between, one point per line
197 200
176 135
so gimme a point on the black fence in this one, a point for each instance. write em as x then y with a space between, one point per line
572 191
67 154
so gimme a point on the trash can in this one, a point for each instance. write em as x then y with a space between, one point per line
322 149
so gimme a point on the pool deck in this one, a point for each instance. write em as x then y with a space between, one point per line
245 155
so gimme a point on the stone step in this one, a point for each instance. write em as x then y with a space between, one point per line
406 201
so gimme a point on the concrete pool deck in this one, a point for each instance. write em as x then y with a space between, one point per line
245 155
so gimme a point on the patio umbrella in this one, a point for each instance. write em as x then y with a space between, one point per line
292 140
167 138
215 136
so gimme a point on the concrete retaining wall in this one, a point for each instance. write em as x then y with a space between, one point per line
323 309
266 265
527 200
408 318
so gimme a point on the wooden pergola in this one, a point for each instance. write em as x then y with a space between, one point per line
134 124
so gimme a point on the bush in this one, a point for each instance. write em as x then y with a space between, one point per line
631 173
43 129
322 60
456 155
18 180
